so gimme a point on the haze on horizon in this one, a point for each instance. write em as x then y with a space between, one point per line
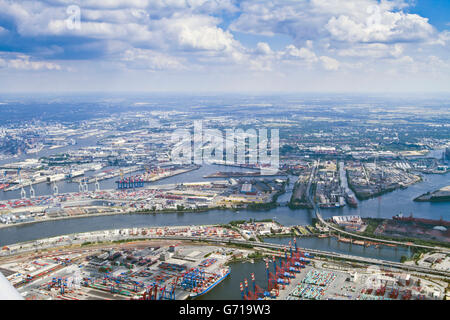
189 46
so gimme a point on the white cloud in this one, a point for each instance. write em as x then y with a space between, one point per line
3 31
150 60
198 32
24 62
302 53
115 4
329 63
348 36
383 27
263 48
372 50
357 31
336 20
166 6
443 39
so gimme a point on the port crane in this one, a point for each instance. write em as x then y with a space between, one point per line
32 194
97 185
55 189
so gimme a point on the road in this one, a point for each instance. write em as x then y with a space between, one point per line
311 178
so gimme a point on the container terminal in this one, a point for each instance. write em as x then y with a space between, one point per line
143 271
297 275
156 264
132 196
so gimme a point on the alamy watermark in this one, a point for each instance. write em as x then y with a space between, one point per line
375 16
374 280
73 21
231 147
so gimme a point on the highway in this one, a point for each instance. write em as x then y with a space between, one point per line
311 178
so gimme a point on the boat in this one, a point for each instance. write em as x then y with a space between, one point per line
440 222
351 201
4 185
345 240
36 149
56 177
225 272
74 174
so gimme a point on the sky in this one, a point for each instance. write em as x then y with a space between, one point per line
388 46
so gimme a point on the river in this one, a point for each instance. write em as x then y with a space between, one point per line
229 288
382 207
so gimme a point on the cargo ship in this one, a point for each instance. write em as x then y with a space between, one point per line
74 174
56 177
351 201
219 277
441 222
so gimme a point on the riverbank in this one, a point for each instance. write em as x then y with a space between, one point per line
366 195
441 195
375 227
261 207
3 226
20 224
